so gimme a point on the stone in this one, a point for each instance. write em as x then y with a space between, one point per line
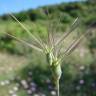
15 88
14 94
2 83
82 68
53 93
11 92
36 95
7 82
29 92
24 84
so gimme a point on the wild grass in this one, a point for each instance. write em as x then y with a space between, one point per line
50 48
53 53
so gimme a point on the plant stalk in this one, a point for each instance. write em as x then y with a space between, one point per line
57 88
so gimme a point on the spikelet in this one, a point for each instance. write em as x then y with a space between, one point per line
56 72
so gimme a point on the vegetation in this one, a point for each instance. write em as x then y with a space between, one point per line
68 11
29 66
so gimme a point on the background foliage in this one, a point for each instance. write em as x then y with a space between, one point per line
79 69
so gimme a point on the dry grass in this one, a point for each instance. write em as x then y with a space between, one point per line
10 63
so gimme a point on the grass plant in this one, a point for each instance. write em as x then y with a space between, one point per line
52 48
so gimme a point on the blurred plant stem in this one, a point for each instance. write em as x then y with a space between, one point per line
57 88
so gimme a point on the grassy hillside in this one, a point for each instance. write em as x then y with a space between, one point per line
61 16
19 63
67 12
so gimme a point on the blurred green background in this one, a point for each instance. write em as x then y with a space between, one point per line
21 66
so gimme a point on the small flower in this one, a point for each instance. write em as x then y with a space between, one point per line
33 84
29 92
81 81
33 89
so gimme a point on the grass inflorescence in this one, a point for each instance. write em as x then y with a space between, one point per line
52 48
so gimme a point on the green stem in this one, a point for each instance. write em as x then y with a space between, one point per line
57 87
